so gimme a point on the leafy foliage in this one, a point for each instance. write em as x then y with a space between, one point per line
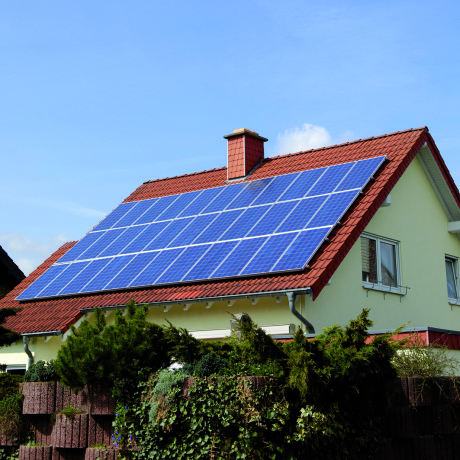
41 372
11 415
416 359
347 378
326 398
208 365
9 384
163 393
117 354
7 336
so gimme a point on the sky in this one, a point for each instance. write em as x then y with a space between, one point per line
98 97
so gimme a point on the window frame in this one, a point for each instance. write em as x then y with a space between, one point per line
379 286
454 260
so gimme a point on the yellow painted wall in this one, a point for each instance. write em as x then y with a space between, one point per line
415 218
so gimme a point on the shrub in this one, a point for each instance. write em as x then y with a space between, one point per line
9 384
208 365
167 385
11 415
121 354
416 359
41 372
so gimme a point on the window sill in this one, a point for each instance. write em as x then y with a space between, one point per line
399 290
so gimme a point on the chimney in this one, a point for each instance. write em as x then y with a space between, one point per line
244 150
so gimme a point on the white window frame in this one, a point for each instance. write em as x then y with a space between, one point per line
379 286
454 260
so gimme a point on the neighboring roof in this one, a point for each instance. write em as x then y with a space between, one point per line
10 273
400 148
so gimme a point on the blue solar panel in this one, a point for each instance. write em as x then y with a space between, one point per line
122 241
135 213
34 289
131 270
302 184
333 209
269 253
182 264
210 261
105 275
149 233
301 250
263 226
273 218
239 257
195 208
178 206
169 233
216 229
360 174
156 267
228 194
63 279
85 276
302 214
244 223
198 225
249 193
156 209
105 240
81 247
330 179
275 189
115 216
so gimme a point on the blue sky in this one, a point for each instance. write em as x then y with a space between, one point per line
98 97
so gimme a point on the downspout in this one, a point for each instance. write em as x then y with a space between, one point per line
25 339
292 297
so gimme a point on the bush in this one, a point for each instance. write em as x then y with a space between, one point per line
9 384
11 415
168 385
415 359
121 354
208 365
341 373
41 372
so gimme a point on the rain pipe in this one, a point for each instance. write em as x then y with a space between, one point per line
25 340
291 295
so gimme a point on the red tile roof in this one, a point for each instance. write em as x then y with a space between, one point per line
400 148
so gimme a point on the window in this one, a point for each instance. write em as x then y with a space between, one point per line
380 262
452 277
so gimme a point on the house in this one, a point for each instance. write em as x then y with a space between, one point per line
394 248
10 274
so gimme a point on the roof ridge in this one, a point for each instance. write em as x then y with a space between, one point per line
423 128
366 139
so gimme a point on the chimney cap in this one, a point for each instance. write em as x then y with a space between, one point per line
240 131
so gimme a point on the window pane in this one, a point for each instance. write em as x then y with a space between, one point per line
388 264
451 279
369 260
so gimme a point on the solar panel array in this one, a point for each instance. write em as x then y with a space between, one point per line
269 225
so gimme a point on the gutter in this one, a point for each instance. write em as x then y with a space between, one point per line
208 300
26 340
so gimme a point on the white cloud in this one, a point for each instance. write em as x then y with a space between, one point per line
28 252
305 138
